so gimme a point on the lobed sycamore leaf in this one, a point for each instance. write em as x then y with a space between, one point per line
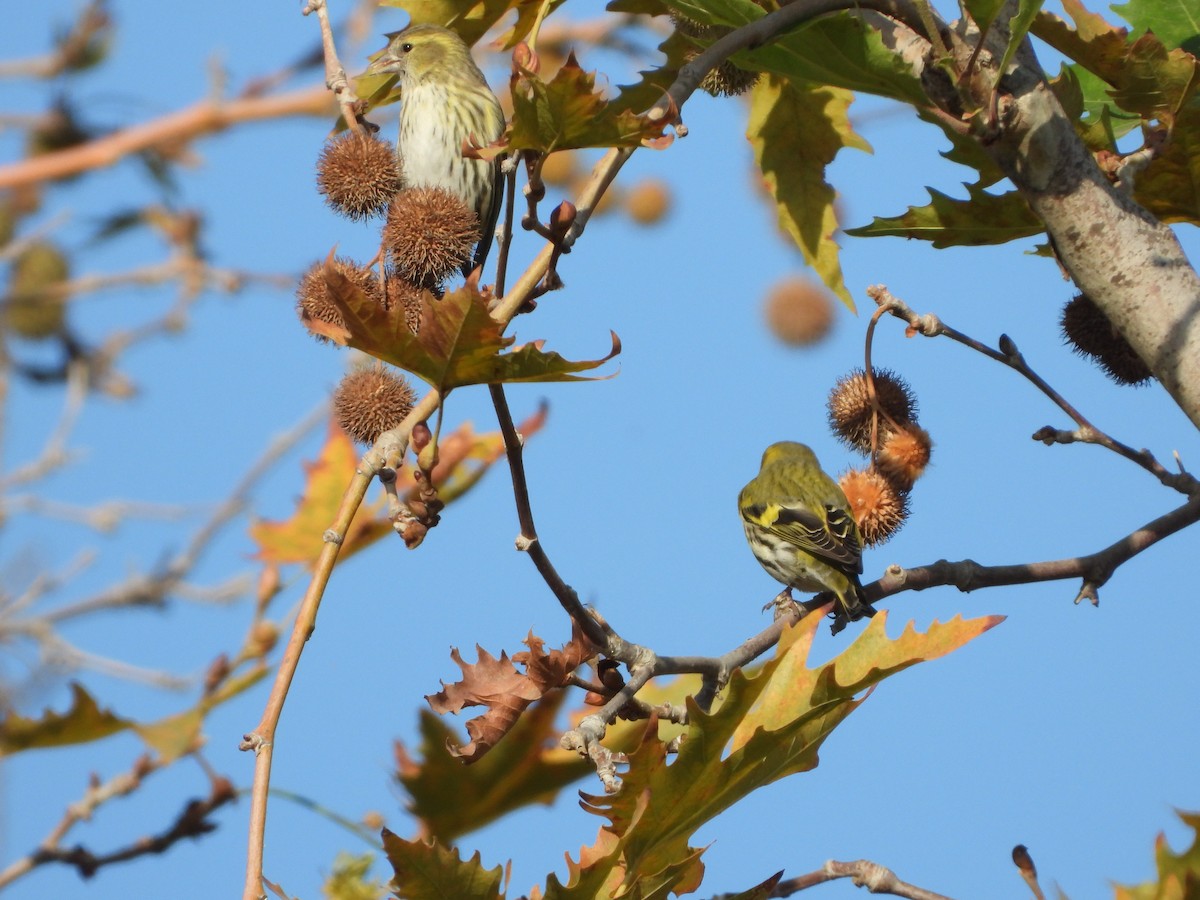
796 131
980 220
430 871
1178 873
1174 22
1093 43
470 19
463 458
505 691
568 113
458 342
769 724
85 721
450 799
1170 185
299 539
837 50
1157 83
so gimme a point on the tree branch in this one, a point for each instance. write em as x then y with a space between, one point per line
931 326
1126 260
1095 569
205 117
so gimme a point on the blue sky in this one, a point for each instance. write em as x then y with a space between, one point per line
1068 728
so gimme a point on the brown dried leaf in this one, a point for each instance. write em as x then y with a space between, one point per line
505 691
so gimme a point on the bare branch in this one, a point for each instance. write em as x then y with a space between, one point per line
1095 569
205 117
931 326
875 878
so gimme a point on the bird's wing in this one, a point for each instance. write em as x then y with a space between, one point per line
827 533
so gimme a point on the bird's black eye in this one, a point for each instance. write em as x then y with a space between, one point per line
407 48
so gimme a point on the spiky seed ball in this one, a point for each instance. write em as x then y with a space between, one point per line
648 201
400 293
799 312
429 234
727 80
693 28
878 507
446 101
371 400
36 307
1090 333
358 174
312 294
850 409
904 455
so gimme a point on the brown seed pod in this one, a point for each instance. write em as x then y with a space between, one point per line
358 175
648 201
727 80
429 234
850 409
799 312
878 506
313 297
371 400
904 454
1090 333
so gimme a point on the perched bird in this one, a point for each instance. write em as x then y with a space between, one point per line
445 100
799 525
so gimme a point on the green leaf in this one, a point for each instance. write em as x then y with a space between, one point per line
350 880
1170 185
568 113
1156 83
429 871
1093 43
769 724
1174 22
470 19
458 342
966 150
838 50
796 131
1178 873
982 219
85 721
527 767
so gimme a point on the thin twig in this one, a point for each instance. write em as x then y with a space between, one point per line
931 326
1095 569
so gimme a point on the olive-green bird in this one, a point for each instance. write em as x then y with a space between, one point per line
445 100
799 525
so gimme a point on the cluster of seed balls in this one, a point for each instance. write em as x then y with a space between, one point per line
887 432
428 234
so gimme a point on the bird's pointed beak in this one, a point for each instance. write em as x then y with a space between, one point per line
387 63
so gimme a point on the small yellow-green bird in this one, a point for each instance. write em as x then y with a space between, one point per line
445 100
799 525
